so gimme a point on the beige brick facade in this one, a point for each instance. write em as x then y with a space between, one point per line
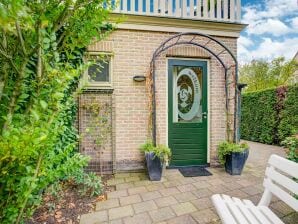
132 51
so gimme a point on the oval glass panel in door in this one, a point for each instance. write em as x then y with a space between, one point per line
188 95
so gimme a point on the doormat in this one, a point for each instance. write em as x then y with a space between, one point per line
194 171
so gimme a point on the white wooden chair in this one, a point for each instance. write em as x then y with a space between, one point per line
278 181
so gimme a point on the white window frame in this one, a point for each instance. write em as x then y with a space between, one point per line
98 85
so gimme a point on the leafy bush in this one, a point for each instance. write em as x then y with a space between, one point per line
258 116
289 115
41 51
89 183
161 151
271 115
291 143
226 148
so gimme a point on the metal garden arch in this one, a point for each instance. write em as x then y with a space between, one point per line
177 40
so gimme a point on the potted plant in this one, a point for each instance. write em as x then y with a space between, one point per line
156 157
233 156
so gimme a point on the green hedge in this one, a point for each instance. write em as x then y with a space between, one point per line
271 115
289 115
258 116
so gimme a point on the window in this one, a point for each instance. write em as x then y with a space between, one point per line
98 73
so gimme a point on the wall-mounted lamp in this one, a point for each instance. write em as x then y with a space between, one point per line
241 86
139 78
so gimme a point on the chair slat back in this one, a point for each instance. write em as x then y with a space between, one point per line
279 180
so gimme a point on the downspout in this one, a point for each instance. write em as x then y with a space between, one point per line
236 117
240 86
153 104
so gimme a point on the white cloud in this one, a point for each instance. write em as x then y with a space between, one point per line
270 26
244 41
269 49
294 23
268 19
271 9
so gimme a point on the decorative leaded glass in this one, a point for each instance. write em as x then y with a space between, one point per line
188 92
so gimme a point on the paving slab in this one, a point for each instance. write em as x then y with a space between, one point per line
150 195
183 208
186 187
137 190
177 199
124 186
117 194
291 218
169 191
185 219
166 201
205 216
94 218
161 214
201 184
155 186
144 206
202 203
130 199
202 193
143 218
111 203
120 212
184 197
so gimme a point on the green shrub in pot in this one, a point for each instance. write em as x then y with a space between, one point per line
233 156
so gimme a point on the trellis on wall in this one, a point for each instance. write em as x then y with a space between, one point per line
230 73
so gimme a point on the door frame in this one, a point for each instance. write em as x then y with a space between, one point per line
208 99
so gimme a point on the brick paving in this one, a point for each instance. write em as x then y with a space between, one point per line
176 199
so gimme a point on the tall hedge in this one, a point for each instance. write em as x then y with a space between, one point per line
271 115
289 115
259 116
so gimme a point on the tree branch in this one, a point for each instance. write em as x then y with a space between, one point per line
20 36
5 55
61 18
40 157
39 51
16 92
10 59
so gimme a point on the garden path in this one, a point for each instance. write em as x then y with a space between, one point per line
176 199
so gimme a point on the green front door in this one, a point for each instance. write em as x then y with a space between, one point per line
187 114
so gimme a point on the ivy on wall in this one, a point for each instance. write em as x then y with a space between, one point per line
271 115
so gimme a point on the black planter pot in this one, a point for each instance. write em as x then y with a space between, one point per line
154 166
235 162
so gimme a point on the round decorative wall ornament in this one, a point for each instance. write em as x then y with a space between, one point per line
188 93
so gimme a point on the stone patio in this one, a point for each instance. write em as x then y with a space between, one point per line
177 199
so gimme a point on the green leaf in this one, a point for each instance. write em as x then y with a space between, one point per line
46 40
43 104
35 114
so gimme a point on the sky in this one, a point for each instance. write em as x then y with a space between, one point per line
272 30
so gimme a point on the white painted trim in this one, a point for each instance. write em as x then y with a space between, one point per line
208 99
98 85
127 26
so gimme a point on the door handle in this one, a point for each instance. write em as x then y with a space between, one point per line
204 114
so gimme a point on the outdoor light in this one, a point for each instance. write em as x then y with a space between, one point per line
139 78
241 86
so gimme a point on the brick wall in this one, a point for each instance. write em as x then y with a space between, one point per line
132 52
